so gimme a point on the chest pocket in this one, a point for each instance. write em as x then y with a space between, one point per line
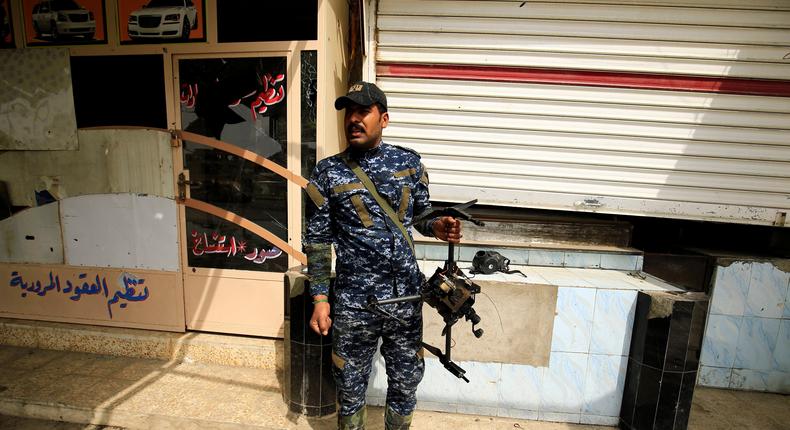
404 179
352 193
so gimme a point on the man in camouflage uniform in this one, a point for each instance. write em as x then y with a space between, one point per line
374 257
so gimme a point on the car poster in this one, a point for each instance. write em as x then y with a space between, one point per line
6 31
64 22
161 21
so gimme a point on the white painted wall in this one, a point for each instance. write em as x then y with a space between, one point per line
120 230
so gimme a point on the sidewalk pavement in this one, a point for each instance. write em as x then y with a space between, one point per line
155 394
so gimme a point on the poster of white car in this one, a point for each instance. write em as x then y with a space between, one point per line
62 18
163 19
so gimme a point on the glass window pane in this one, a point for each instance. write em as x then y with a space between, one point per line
266 21
309 91
216 243
237 100
139 101
241 101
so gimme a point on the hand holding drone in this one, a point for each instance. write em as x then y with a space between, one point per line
448 291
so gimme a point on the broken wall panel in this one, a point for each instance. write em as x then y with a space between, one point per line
36 100
107 161
32 236
120 230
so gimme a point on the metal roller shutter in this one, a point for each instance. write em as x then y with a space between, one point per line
675 109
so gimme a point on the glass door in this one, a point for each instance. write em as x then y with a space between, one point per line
234 131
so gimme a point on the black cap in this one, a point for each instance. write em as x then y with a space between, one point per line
362 93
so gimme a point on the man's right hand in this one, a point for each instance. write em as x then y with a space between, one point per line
320 321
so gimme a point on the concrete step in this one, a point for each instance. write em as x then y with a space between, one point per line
190 347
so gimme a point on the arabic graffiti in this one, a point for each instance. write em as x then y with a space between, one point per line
220 244
270 96
128 288
189 94
273 92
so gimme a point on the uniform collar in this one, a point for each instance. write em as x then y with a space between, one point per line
368 154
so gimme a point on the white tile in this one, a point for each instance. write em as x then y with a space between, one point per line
573 319
767 291
778 382
472 409
598 420
730 288
618 261
481 390
520 387
747 379
464 253
608 279
438 253
596 278
438 385
756 343
786 311
532 275
718 377
517 257
782 351
539 257
640 261
613 322
563 384
603 387
436 406
563 277
375 400
560 417
721 341
590 260
518 413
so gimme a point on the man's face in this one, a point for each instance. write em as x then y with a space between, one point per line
363 125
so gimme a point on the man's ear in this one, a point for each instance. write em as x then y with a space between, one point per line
385 119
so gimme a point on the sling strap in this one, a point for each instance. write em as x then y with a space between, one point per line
354 166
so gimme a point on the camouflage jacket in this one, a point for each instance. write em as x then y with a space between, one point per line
372 255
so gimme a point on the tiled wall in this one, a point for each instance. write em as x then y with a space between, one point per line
582 384
747 339
538 257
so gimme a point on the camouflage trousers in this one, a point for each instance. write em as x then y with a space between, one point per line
356 335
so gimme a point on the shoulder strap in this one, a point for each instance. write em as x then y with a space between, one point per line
380 200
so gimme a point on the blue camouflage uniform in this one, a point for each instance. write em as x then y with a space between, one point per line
373 258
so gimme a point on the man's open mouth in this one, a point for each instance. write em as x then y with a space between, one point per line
355 131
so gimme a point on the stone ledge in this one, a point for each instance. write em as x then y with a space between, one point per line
182 347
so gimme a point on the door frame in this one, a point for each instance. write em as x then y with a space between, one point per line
223 279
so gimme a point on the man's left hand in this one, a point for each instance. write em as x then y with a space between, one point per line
448 229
